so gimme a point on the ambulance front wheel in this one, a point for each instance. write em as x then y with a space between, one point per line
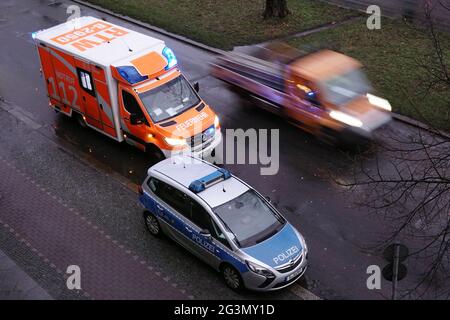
154 152
152 224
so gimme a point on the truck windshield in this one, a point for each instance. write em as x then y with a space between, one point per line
169 99
249 218
343 88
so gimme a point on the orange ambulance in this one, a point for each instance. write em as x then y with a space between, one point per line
125 85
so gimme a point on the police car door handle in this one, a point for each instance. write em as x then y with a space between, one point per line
159 207
188 229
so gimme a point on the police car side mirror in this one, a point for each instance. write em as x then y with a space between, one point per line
135 119
205 233
197 86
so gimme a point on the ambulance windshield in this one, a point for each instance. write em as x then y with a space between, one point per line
249 218
169 99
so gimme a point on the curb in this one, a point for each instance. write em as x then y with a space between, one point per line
396 116
419 125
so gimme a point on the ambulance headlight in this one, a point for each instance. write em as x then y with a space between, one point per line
259 270
170 56
175 142
216 122
346 118
379 102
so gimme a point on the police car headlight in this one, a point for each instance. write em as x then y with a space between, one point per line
175 142
259 270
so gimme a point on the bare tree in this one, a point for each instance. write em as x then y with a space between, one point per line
408 185
276 8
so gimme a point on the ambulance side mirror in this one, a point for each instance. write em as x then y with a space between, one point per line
135 119
197 86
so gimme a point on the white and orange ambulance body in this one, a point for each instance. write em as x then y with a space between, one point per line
125 85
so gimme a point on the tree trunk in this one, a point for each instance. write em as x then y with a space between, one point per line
276 8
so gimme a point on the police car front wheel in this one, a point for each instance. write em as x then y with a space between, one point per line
152 224
232 278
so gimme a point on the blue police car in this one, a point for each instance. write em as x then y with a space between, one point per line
223 221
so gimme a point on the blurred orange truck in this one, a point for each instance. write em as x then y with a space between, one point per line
325 92
125 85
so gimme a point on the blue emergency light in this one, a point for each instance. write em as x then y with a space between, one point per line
201 184
170 56
130 74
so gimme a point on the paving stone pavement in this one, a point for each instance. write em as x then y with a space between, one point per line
63 236
15 284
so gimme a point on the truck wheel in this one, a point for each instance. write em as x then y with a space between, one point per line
232 278
152 224
329 136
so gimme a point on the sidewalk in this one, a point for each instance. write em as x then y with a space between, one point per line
15 284
62 236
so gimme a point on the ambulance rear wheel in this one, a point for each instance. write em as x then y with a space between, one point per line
81 120
152 224
232 277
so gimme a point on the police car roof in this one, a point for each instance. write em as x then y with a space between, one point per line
186 169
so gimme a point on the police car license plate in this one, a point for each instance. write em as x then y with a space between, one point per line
293 275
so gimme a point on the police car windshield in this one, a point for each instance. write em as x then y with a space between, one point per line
169 99
249 218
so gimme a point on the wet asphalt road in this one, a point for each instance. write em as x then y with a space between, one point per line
336 231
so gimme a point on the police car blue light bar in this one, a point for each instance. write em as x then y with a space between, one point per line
207 181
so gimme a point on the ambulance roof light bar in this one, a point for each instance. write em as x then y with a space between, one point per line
171 58
130 74
201 184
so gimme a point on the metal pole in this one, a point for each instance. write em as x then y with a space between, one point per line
395 270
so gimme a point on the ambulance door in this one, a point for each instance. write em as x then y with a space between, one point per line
103 100
133 121
89 102
62 82
49 74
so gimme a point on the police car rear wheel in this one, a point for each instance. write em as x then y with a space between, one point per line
232 278
152 224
